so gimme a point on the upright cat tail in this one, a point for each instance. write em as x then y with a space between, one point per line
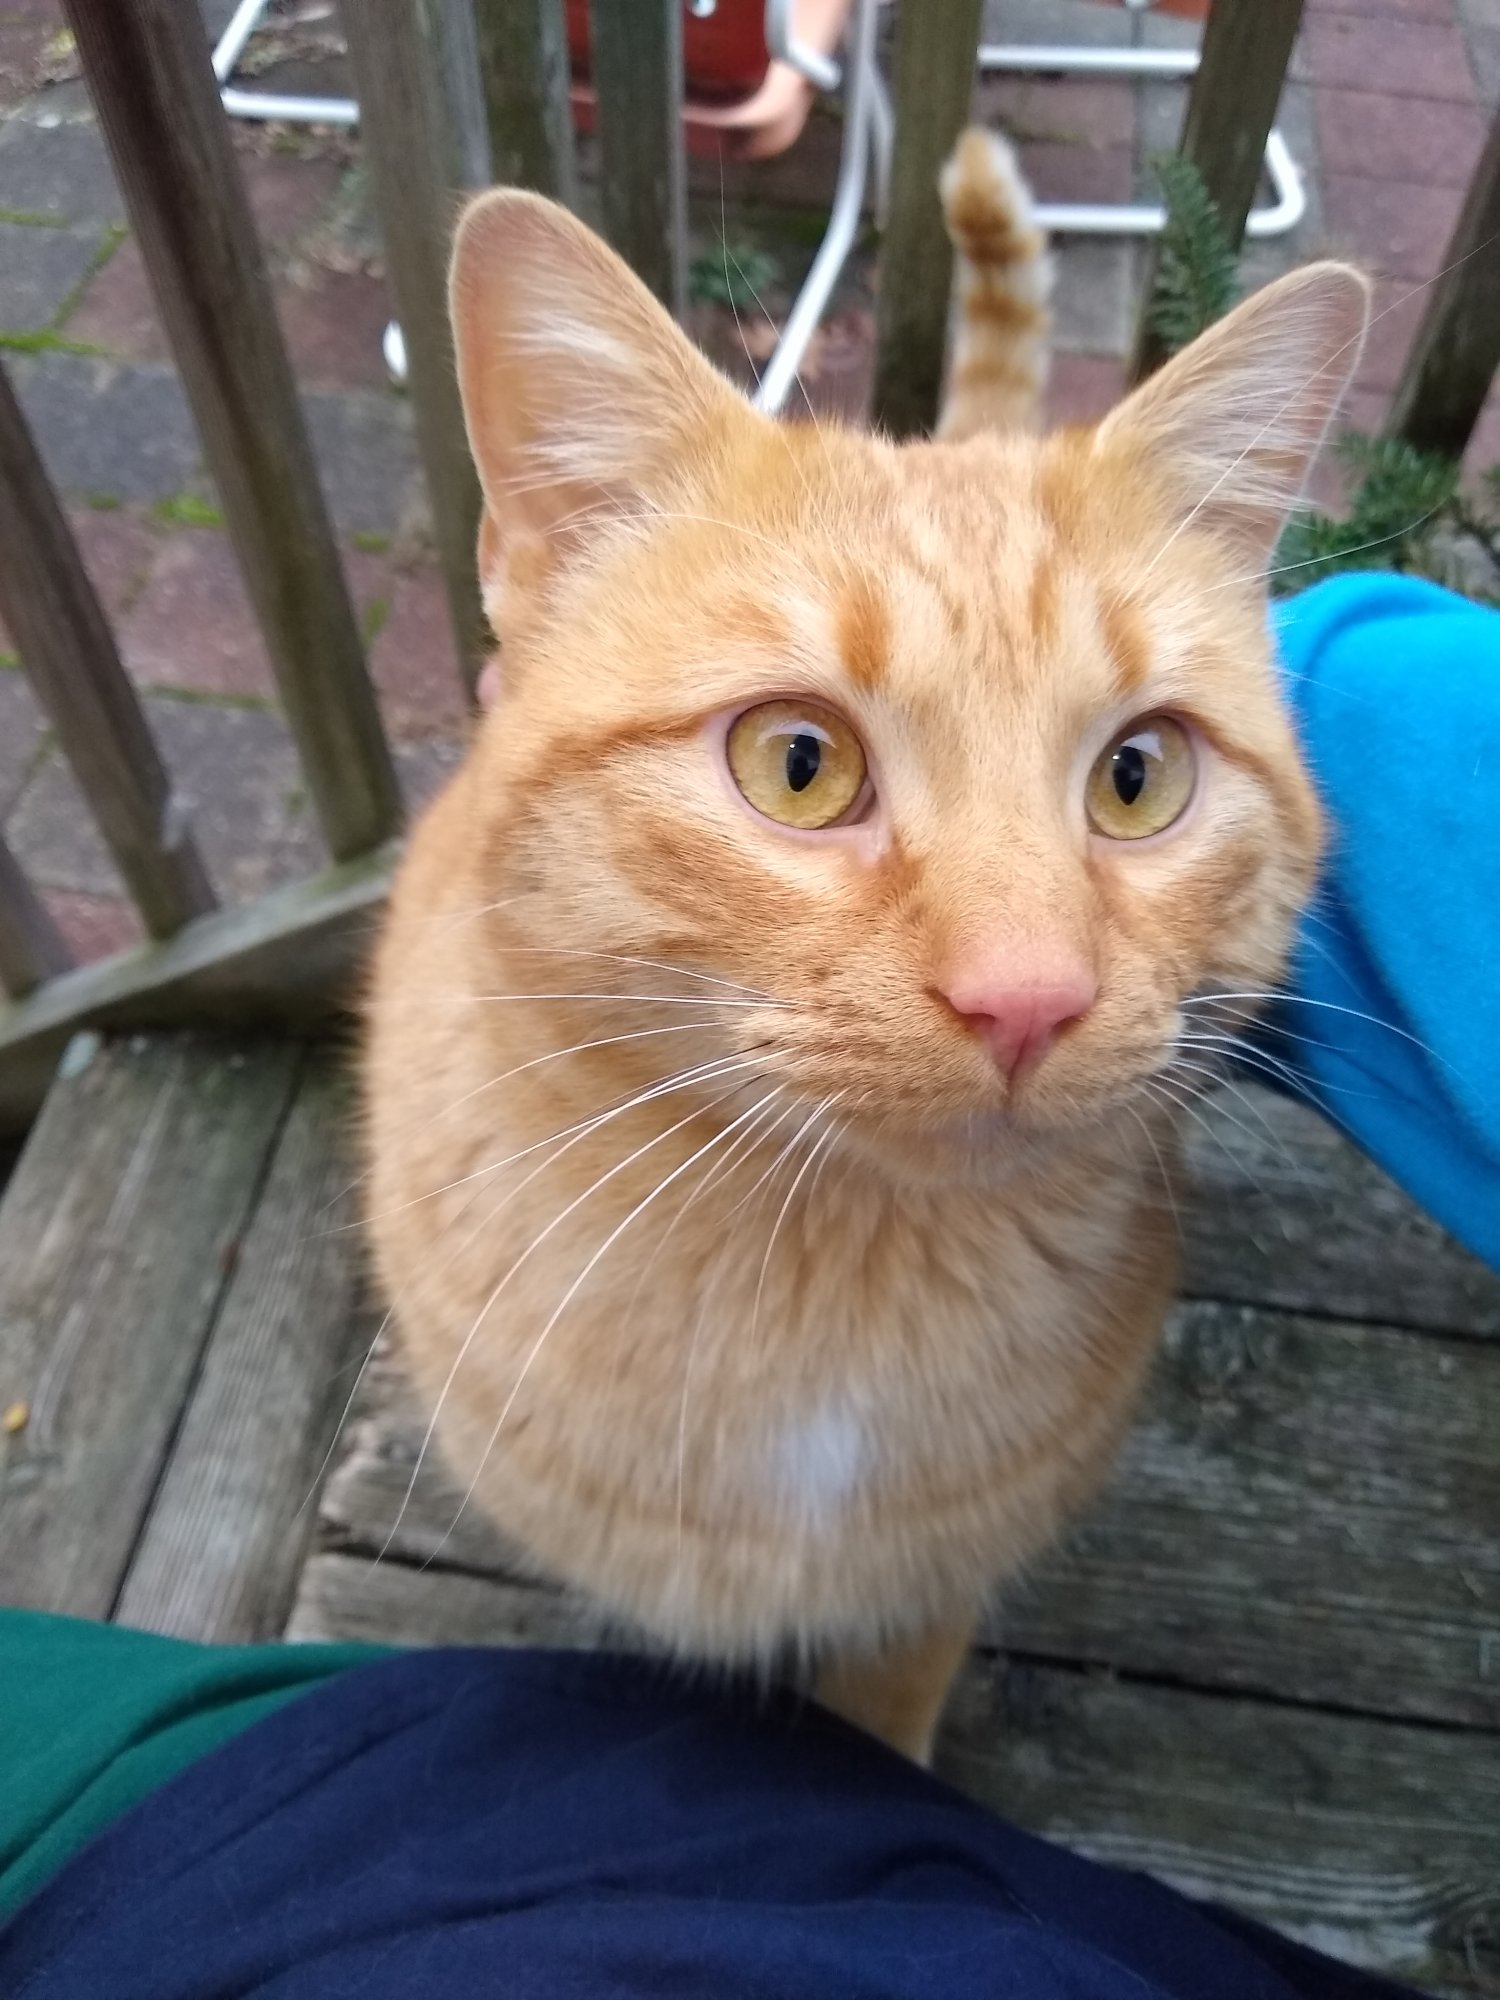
1000 342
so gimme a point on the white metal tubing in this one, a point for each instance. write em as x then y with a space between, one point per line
231 44
1063 59
782 45
291 110
1083 218
1087 218
843 218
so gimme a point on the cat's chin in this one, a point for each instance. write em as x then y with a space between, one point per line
986 1148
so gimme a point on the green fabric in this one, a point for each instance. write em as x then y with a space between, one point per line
92 1717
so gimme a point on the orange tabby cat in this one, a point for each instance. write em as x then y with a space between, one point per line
766 1168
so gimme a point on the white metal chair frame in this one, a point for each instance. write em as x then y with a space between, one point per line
867 143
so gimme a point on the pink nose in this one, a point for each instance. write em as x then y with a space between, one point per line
1019 1023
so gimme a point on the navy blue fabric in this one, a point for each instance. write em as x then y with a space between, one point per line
548 1826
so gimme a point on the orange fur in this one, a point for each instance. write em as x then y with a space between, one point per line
807 1352
999 371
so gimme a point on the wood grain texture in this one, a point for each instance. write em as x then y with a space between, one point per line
221 1549
355 1597
401 57
1456 351
59 628
1247 45
1302 1509
290 960
636 62
523 59
115 1236
937 46
1376 1842
147 66
31 946
1281 1210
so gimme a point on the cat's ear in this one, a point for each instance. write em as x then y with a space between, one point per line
583 400
1227 430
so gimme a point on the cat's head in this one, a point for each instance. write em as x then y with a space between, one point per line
969 756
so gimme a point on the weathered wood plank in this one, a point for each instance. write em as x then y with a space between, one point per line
221 1549
936 50
358 1598
59 627
288 961
1457 349
1376 1842
406 117
31 946
114 1235
372 1505
1303 1509
523 58
1247 45
148 70
636 62
1282 1211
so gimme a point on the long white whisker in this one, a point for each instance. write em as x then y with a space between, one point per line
533 1246
1302 1000
572 1292
765 1262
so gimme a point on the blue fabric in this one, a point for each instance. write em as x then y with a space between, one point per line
1396 687
445 1825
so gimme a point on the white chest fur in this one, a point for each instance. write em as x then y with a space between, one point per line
816 1463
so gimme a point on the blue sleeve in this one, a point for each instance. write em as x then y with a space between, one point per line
1393 1002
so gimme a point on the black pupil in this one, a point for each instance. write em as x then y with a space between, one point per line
803 756
1129 773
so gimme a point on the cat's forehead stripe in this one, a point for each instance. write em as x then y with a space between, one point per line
863 632
1126 638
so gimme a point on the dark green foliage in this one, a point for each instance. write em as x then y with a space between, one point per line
736 274
1197 278
1406 513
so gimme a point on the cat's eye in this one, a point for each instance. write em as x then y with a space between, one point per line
797 762
1143 782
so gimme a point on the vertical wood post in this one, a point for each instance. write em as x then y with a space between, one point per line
401 60
1457 348
31 948
70 659
936 50
1247 45
523 58
637 70
147 66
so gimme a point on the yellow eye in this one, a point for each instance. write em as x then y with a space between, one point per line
1143 781
796 762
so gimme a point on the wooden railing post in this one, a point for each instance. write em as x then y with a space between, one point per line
1247 45
1457 348
523 59
406 123
147 66
31 947
936 50
70 659
637 69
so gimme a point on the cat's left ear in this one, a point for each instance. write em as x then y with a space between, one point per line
583 400
1228 429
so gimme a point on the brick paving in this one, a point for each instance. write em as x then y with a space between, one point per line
1386 108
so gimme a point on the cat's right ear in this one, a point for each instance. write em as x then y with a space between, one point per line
583 400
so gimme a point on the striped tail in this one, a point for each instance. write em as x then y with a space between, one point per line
1000 343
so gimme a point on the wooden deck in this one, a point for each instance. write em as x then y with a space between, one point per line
1266 1667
